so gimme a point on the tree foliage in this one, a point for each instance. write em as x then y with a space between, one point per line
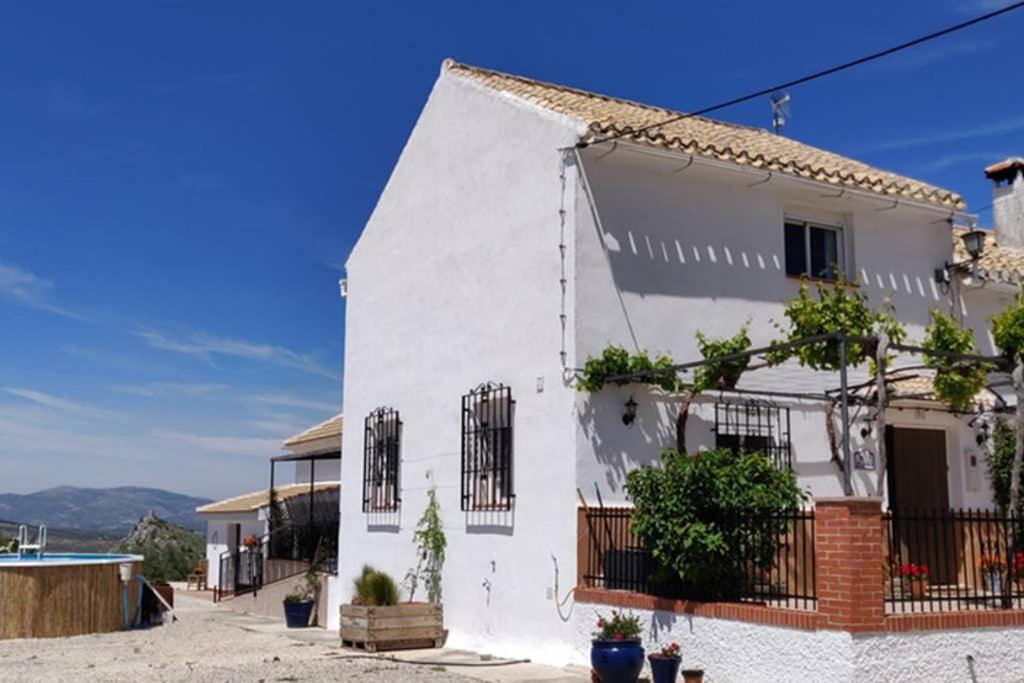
616 361
838 307
956 382
1000 463
1008 329
703 518
726 374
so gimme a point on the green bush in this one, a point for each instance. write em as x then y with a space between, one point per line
1000 464
704 517
375 588
1008 329
956 382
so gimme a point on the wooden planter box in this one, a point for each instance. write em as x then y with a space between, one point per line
398 627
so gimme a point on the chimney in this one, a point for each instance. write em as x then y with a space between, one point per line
1008 201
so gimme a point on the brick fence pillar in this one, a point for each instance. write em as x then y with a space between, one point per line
849 558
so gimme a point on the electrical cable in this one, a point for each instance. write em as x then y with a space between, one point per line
812 77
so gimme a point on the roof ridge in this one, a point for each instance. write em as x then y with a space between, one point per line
604 115
449 64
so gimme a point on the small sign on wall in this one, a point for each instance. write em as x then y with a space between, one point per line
972 465
864 459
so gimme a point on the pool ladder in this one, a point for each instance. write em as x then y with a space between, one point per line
26 548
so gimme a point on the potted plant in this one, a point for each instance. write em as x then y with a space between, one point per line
616 654
250 541
993 567
298 605
665 664
376 620
916 577
693 675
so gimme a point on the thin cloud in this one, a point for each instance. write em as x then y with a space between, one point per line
158 389
206 347
922 57
53 402
949 160
234 445
1002 127
28 289
296 402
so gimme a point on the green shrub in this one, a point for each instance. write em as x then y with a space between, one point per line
375 588
956 382
704 517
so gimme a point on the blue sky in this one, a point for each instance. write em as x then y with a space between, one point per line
180 184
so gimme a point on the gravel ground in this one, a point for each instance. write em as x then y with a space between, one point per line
200 646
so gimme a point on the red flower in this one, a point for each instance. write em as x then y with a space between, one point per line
618 636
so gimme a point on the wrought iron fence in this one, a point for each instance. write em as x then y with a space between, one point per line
288 551
778 568
953 560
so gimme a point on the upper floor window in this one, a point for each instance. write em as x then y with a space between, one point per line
487 418
753 426
381 460
813 249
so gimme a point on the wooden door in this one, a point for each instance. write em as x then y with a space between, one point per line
918 477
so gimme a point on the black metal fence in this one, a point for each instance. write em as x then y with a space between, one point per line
778 567
953 560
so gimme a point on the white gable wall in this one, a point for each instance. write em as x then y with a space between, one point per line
455 282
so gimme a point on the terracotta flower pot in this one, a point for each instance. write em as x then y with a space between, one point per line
693 675
918 588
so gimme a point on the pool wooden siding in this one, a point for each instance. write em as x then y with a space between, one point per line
63 600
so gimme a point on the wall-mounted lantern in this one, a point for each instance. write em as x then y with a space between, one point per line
630 414
983 433
974 244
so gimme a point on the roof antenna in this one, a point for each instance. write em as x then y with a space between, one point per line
780 110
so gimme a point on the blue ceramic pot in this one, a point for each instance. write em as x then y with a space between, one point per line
296 614
617 661
664 669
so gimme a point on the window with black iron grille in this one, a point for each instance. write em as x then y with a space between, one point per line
487 417
381 460
754 427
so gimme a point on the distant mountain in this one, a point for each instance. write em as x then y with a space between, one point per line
170 551
114 509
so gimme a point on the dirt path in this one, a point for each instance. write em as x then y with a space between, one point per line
201 646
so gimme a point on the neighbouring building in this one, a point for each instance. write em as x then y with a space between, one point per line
511 243
307 505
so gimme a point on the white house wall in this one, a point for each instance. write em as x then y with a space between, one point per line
455 282
700 249
324 470
219 540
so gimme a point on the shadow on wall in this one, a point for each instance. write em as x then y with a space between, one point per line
653 264
618 449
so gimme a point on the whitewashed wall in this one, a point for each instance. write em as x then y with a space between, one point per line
218 538
455 282
734 651
325 470
741 652
702 250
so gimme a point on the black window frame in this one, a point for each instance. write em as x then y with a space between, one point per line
488 448
755 426
828 272
382 460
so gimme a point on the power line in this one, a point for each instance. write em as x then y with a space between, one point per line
816 75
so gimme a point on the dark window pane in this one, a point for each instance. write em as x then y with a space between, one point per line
824 253
796 258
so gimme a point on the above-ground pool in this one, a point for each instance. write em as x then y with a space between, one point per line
64 594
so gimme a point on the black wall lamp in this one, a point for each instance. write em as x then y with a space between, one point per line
974 245
630 414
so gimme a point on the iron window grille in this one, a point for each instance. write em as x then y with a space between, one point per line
487 420
753 426
381 460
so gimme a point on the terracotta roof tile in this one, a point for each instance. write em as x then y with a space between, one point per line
250 502
326 429
603 116
996 263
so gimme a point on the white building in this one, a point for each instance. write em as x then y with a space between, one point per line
502 251
316 455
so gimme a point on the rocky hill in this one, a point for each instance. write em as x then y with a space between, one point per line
170 550
111 509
